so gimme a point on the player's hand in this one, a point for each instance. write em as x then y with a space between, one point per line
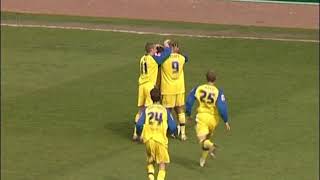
159 45
166 43
227 125
140 140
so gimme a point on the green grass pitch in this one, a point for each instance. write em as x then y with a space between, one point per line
69 98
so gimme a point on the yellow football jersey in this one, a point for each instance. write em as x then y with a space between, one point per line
156 124
148 70
172 75
206 96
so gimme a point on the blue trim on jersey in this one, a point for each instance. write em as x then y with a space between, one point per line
163 56
141 122
222 106
172 126
190 101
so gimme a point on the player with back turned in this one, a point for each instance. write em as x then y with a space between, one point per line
173 86
152 127
149 64
211 107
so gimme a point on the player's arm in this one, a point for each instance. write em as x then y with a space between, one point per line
190 101
172 126
222 108
140 123
163 56
158 82
186 57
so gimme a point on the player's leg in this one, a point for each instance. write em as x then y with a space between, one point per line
162 171
167 101
150 171
205 150
179 108
162 158
150 159
146 93
144 100
202 130
135 136
178 127
141 101
182 122
212 124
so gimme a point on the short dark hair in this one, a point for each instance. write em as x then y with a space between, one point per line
155 94
211 76
148 46
160 49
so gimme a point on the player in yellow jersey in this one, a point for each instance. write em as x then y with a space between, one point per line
173 87
211 107
152 127
149 64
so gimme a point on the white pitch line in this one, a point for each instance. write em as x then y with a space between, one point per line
155 33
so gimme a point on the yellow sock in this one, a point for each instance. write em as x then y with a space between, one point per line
182 129
179 128
161 174
182 121
206 146
151 177
150 169
204 154
135 132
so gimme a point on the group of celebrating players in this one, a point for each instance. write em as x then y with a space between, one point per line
162 92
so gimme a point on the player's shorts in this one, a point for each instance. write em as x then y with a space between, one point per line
144 97
157 152
173 100
206 124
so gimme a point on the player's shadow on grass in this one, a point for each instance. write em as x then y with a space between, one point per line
122 129
183 161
